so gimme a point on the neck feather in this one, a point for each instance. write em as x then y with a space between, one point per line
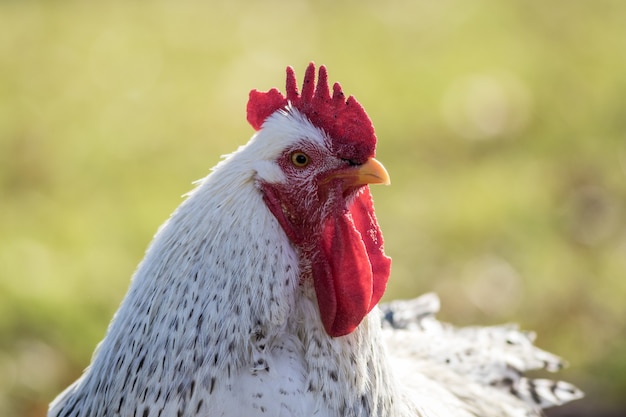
209 282
219 276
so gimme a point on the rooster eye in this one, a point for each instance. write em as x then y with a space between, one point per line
300 159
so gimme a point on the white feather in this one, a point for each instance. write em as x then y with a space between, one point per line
218 321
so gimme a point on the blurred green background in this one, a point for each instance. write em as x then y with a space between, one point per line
502 124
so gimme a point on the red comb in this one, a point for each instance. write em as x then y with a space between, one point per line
345 121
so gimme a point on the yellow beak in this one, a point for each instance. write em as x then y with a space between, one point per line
372 172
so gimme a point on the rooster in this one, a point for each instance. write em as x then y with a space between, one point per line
258 297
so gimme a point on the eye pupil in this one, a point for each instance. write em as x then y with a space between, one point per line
299 159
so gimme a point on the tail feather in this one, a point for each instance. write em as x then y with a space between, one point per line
544 392
495 357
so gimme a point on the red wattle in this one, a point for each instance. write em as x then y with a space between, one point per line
350 270
362 211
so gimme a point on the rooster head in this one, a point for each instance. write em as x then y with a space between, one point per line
315 183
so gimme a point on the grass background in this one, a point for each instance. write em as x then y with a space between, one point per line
502 124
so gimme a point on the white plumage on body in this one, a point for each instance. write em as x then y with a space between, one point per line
250 302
